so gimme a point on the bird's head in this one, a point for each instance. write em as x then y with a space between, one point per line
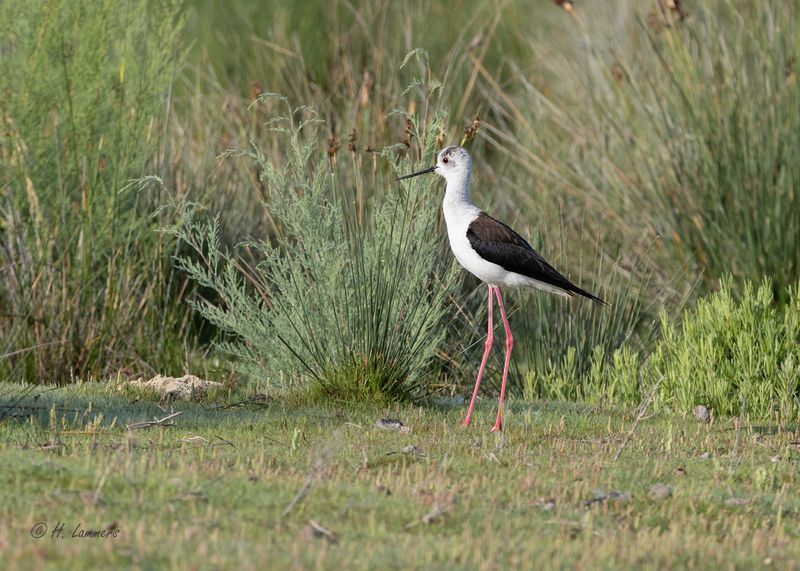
453 163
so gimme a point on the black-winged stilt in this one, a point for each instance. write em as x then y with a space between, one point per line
494 253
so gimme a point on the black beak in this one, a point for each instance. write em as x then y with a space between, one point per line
426 171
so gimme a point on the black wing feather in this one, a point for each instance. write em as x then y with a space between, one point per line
497 243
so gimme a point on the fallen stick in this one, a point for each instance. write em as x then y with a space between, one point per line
642 411
155 422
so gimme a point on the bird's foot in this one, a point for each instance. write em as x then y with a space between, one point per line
466 422
498 426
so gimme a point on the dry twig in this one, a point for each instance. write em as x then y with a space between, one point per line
319 530
438 512
642 411
155 422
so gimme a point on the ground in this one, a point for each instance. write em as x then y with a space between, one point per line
229 482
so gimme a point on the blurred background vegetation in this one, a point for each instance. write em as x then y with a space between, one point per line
649 148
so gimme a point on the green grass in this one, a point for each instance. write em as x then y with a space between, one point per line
87 285
212 490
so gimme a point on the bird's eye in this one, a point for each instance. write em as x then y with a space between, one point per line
445 160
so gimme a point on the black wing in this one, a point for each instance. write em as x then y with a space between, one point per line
497 243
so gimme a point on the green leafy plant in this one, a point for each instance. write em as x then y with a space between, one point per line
613 377
732 356
735 356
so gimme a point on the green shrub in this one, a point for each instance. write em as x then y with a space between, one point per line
351 299
86 281
616 380
732 356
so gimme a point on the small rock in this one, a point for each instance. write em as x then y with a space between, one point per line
413 450
408 450
603 496
545 504
392 424
775 459
702 414
661 491
680 471
706 456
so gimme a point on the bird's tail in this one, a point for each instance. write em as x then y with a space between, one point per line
591 296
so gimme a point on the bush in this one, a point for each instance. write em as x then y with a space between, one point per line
736 357
596 379
350 298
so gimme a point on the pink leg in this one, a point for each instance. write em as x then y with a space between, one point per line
488 347
509 345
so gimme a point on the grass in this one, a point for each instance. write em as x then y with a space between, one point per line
214 489
87 285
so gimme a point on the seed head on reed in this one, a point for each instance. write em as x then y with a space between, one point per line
665 14
351 142
409 133
333 147
256 91
566 4
471 130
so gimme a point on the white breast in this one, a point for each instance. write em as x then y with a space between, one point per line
458 218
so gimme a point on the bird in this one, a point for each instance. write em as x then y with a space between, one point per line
494 253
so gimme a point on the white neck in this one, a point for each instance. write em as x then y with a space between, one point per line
457 191
457 206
